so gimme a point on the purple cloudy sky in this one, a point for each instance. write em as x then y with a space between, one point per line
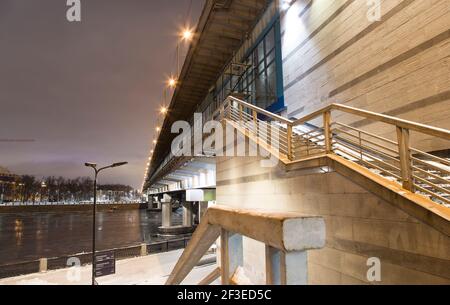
84 91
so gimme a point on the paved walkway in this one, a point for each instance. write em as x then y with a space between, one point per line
149 270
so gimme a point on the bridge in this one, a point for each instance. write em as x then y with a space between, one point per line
355 147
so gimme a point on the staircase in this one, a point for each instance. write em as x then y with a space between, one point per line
416 171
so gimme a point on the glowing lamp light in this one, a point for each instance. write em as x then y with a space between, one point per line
154 141
286 4
158 129
187 34
172 82
163 110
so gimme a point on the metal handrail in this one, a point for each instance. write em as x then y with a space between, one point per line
407 155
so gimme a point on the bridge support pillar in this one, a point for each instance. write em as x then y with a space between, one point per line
188 215
166 205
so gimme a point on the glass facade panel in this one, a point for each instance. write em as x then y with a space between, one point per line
259 79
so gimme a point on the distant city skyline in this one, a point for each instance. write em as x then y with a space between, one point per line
88 91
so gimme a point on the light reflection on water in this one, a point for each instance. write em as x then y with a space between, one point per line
30 236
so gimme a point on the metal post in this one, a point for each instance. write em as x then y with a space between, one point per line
289 142
255 121
94 229
405 158
327 131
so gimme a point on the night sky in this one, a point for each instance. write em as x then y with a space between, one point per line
88 91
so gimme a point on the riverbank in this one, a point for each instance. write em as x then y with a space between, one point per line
48 264
149 270
69 208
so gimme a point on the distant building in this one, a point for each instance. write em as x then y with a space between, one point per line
10 185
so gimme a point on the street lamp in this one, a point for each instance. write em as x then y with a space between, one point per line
94 211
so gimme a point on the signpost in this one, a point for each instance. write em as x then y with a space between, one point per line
105 264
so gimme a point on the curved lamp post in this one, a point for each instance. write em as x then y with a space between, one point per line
94 211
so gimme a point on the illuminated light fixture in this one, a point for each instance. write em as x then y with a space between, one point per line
154 141
163 110
152 152
286 4
158 129
187 35
172 82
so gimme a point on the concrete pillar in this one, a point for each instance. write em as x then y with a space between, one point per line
231 255
286 268
188 216
166 203
43 265
156 202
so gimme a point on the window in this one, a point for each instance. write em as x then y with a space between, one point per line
259 82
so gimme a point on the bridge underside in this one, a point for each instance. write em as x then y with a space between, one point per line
184 174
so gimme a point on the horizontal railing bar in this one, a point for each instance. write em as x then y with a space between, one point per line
394 158
446 162
430 174
371 164
435 186
430 165
432 131
261 111
367 141
366 133
431 193
344 142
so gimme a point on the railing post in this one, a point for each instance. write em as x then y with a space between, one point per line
289 142
43 265
327 132
240 114
255 122
404 152
144 251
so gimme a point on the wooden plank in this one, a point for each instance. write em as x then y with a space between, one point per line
201 241
211 277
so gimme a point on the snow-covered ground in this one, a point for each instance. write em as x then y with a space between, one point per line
148 270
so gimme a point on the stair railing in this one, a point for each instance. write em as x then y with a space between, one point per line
395 159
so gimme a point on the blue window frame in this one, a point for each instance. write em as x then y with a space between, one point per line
262 81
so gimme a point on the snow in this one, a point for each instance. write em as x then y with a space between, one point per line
148 270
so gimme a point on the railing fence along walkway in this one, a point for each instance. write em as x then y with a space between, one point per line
45 264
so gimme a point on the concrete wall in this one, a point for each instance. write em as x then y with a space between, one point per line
359 225
399 65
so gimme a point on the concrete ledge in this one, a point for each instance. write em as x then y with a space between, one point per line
283 231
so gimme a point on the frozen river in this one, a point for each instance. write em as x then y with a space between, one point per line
30 236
